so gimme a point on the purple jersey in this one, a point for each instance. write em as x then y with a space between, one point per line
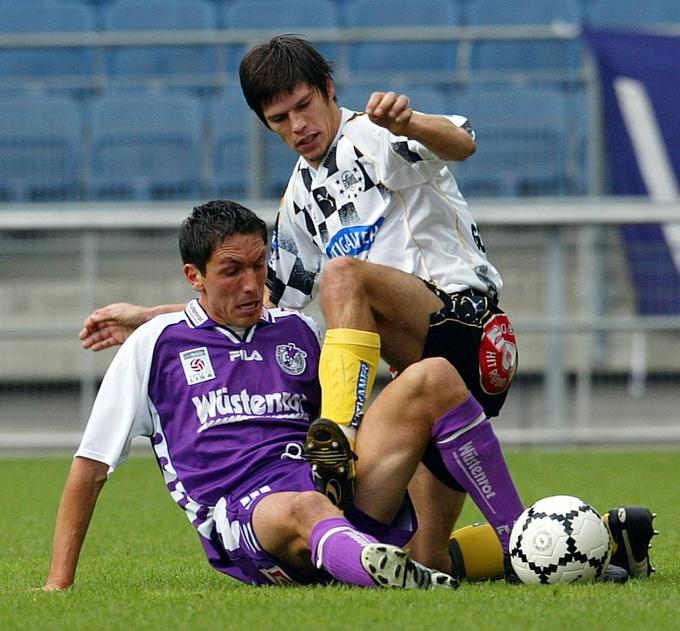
222 406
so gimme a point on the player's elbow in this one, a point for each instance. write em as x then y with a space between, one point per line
465 148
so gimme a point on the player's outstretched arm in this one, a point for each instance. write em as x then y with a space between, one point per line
85 480
437 133
112 325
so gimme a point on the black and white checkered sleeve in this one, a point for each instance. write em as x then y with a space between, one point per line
294 264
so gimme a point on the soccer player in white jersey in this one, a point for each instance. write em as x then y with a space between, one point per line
405 273
372 204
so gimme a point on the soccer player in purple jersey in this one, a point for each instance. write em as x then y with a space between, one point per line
225 390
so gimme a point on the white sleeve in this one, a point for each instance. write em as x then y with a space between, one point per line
121 410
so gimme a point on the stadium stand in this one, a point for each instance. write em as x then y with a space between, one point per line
173 65
291 16
629 13
421 98
430 72
146 145
279 160
62 67
521 141
40 148
406 61
524 54
230 120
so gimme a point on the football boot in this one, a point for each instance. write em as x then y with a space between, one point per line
389 566
631 531
328 451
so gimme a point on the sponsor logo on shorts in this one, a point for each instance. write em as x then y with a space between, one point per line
291 359
497 354
277 576
197 365
354 240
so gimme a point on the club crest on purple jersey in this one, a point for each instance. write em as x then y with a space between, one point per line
291 359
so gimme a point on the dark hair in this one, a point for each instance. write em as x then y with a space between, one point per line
210 224
277 67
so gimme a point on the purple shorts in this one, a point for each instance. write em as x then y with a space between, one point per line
240 553
233 522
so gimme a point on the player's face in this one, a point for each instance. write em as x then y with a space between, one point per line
305 121
232 287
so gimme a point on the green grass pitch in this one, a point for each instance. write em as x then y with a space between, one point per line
143 568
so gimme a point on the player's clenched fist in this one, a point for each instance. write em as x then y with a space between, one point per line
391 111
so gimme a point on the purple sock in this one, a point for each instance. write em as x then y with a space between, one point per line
336 547
473 456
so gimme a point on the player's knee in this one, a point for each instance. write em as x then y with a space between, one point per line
435 379
340 278
308 507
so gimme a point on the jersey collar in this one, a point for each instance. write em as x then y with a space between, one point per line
199 319
345 115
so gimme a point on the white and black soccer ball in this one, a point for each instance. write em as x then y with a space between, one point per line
559 539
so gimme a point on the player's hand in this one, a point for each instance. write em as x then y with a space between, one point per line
391 111
111 325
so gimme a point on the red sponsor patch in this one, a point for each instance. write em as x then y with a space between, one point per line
497 354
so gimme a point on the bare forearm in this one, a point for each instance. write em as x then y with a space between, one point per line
441 136
438 133
84 483
152 312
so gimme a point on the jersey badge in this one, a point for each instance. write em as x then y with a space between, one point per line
291 359
352 183
197 366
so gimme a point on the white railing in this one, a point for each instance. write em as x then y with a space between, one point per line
591 369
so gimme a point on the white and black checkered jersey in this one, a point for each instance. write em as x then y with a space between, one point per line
380 198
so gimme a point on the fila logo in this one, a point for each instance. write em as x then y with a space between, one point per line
243 354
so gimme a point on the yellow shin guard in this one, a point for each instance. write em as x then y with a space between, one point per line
347 368
476 553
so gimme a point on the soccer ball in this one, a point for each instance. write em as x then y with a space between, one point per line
559 539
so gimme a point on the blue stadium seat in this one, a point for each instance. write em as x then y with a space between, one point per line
52 67
500 56
280 160
182 65
521 141
40 148
417 60
617 13
289 16
230 122
146 145
422 98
